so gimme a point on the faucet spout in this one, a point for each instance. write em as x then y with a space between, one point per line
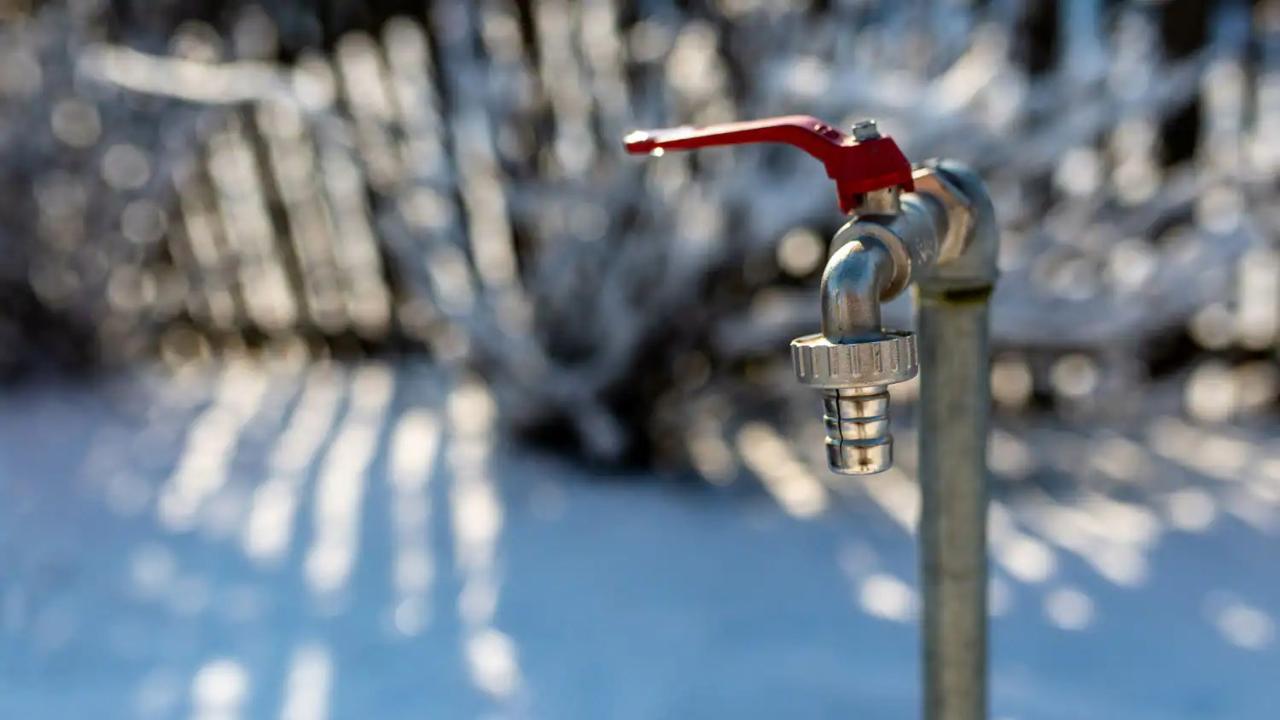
854 359
852 283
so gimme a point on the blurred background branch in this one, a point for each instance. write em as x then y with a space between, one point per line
315 256
445 178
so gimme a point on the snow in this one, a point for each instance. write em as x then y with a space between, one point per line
478 578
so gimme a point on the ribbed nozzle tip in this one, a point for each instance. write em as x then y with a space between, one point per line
858 439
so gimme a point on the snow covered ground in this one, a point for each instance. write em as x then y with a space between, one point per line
358 542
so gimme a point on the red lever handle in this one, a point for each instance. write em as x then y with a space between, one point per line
857 166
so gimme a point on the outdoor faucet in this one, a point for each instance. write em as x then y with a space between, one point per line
907 226
932 227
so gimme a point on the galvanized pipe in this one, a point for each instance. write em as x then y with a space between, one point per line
954 420
953 301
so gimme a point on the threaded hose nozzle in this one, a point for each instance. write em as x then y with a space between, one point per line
854 378
858 439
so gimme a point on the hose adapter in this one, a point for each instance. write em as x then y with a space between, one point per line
854 379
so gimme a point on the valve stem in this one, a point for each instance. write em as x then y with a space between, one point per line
864 130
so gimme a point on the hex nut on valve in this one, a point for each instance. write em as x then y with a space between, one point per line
853 378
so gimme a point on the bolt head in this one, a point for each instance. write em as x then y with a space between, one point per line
865 130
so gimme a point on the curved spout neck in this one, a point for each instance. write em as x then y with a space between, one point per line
855 276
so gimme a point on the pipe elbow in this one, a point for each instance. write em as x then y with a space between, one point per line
975 267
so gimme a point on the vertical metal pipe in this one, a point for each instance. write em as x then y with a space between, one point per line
955 415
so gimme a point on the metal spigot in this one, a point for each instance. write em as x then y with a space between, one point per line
853 360
934 227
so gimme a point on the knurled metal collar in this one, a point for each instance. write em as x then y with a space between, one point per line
890 358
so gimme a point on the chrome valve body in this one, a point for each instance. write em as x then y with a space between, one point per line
893 239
